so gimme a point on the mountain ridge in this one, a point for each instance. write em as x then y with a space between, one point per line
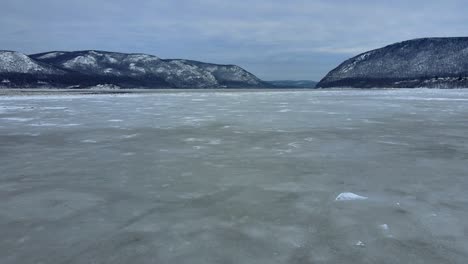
423 62
87 68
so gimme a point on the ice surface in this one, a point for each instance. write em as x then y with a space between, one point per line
224 177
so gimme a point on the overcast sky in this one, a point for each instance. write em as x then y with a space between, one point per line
274 39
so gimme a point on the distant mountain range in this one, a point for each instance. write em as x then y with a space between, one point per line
82 69
427 62
293 84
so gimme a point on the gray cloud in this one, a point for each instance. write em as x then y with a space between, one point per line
295 39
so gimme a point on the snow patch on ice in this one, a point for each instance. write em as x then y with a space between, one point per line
43 124
360 244
384 227
54 108
348 196
393 143
214 142
129 136
88 141
385 230
17 119
193 140
25 134
294 145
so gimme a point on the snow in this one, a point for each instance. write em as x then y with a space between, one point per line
87 61
188 74
17 62
360 244
142 58
357 60
50 55
129 136
44 124
111 59
89 141
17 119
348 196
133 67
384 227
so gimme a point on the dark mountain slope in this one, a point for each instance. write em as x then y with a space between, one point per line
89 68
151 70
428 62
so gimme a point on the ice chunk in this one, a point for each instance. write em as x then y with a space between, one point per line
384 227
385 230
89 141
129 136
360 244
347 196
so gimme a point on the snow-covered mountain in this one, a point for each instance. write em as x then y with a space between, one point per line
428 62
15 62
90 68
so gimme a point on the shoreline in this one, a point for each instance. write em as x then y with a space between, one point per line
57 91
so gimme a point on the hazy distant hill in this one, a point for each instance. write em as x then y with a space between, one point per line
293 84
428 62
80 69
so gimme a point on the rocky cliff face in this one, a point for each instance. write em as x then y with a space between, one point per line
428 62
89 68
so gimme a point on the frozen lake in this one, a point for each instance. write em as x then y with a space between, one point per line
235 177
